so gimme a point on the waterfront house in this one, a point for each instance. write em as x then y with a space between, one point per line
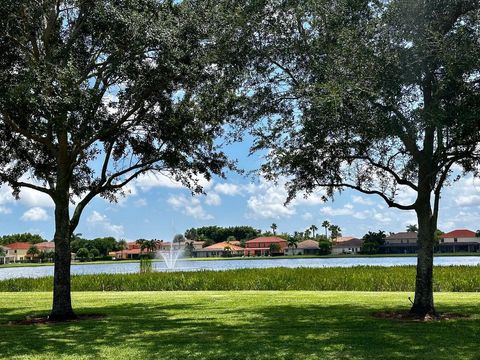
306 247
401 243
18 251
7 258
221 249
261 246
459 240
347 245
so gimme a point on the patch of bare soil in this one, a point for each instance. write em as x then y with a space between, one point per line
45 320
407 316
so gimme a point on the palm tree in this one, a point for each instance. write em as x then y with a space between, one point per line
335 231
274 228
313 228
3 253
189 248
412 228
326 225
33 251
307 233
292 242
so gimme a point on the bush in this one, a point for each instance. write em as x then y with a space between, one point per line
83 254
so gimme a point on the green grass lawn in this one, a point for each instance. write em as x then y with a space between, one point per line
239 325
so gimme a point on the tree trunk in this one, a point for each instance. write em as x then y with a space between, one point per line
423 303
62 304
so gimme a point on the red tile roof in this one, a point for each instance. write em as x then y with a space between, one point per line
266 239
222 245
308 244
19 246
45 245
348 243
461 233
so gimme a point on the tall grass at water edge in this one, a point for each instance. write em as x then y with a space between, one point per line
361 278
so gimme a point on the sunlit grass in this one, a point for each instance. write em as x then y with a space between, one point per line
238 325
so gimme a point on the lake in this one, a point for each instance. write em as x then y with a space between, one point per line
187 265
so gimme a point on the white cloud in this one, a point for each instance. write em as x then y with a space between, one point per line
472 200
189 206
228 189
102 222
35 214
307 216
361 200
5 210
213 199
267 200
150 180
141 202
329 211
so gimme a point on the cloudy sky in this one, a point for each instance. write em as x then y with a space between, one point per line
157 207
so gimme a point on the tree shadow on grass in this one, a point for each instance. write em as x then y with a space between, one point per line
263 331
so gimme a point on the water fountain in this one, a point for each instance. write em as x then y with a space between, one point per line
171 255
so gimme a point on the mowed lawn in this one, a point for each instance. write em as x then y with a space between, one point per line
239 325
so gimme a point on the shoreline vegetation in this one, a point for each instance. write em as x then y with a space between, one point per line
331 256
359 278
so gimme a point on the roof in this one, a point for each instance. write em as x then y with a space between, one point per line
349 243
266 239
343 238
403 235
19 246
308 244
46 245
222 245
461 233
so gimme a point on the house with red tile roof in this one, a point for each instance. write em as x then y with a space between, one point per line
459 240
261 246
6 259
18 251
221 249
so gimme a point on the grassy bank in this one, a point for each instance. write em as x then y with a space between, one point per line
238 325
362 278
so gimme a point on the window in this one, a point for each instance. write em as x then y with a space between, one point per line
455 240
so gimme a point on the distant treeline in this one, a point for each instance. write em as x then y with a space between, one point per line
216 234
25 237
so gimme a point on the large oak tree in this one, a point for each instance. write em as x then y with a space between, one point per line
94 93
377 96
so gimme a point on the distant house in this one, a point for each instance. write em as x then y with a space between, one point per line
459 240
46 246
18 251
347 245
306 247
221 249
134 250
7 258
261 246
401 243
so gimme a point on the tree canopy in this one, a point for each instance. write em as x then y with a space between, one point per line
382 97
95 93
25 237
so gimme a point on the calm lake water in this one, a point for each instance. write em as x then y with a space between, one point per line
122 268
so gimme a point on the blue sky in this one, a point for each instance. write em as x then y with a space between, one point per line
157 207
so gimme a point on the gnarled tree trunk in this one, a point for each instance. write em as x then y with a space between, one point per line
423 303
62 304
